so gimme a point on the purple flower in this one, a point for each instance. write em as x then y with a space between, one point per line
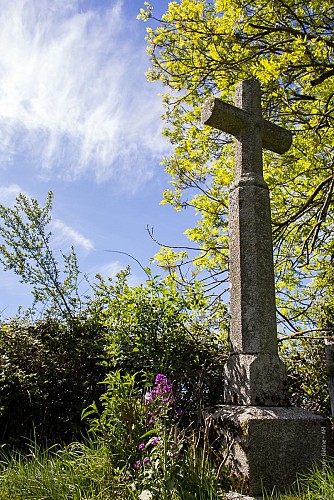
178 453
141 446
160 379
179 411
136 464
146 459
154 441
163 387
150 396
162 384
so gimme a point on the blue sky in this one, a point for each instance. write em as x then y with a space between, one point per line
77 117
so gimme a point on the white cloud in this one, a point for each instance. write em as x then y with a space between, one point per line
65 235
8 194
73 98
110 269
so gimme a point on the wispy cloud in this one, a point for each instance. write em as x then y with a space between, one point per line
65 235
73 98
112 268
8 194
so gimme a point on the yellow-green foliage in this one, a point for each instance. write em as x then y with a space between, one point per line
202 47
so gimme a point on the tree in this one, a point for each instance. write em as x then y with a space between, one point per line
53 367
26 249
201 48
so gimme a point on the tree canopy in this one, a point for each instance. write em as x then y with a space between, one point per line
200 48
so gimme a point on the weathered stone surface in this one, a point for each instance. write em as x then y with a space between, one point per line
252 300
266 447
253 309
221 115
255 380
252 294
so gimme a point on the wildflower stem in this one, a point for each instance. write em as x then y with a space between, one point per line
165 456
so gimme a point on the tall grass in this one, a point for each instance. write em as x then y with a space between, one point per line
85 471
76 472
318 484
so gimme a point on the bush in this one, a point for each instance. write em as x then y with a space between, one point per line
52 369
156 328
307 374
49 373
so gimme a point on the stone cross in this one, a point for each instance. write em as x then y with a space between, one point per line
264 443
254 373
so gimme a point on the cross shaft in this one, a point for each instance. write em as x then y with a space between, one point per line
254 374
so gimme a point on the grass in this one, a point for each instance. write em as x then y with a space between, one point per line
76 472
317 485
85 471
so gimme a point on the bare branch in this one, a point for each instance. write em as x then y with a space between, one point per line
301 333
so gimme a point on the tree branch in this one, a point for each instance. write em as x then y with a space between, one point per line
303 332
303 208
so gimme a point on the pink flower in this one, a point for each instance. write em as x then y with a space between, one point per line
136 464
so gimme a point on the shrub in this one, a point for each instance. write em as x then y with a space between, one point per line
156 328
49 373
52 368
307 374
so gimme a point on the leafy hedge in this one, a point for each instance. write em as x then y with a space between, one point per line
52 369
49 372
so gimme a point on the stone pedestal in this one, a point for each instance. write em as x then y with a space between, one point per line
265 448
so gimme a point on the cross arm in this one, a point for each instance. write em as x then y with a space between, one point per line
232 120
